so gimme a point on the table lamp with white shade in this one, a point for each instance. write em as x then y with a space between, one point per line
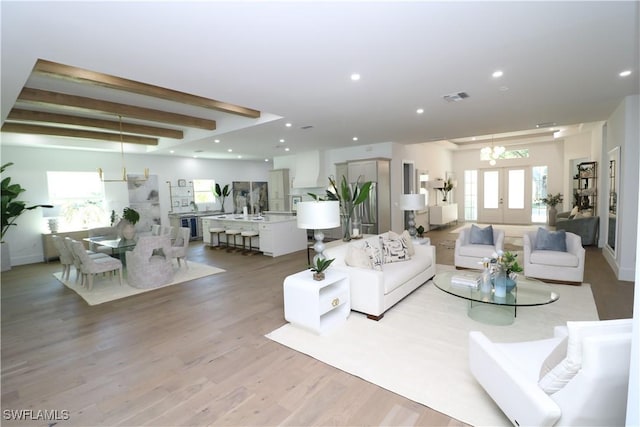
412 203
318 215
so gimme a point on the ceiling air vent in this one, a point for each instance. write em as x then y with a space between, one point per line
306 127
455 97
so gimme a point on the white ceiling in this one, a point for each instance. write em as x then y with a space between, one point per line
293 61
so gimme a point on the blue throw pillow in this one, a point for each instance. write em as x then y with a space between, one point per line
551 240
481 236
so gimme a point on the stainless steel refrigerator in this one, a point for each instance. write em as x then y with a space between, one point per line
375 212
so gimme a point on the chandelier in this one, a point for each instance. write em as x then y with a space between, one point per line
124 168
492 153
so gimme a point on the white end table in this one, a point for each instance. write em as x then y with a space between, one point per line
315 305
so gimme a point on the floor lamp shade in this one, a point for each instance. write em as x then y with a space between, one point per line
412 202
318 215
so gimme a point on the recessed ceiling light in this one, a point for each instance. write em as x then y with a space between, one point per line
282 140
473 138
217 141
497 73
420 110
355 138
266 160
288 125
239 157
172 151
625 73
355 77
286 149
229 150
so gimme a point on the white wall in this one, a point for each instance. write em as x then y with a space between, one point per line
31 165
622 131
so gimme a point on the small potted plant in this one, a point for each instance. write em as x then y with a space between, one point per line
420 231
127 225
318 267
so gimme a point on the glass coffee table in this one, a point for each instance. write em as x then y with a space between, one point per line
487 308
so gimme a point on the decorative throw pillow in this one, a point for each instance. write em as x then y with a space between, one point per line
564 371
357 257
551 240
394 250
409 242
481 236
573 212
375 255
406 238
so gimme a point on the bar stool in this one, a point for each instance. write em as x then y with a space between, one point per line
234 233
250 234
219 231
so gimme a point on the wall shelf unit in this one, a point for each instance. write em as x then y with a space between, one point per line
585 185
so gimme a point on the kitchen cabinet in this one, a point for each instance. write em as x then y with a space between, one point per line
279 190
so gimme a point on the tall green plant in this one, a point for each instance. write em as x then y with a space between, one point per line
222 193
12 208
347 197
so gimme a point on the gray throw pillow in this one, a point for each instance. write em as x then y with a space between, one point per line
551 240
481 236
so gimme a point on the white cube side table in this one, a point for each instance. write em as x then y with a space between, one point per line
315 305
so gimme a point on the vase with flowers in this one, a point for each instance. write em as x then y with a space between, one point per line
504 268
552 200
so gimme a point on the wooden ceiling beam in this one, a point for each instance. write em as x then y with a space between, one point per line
43 117
66 72
75 133
43 97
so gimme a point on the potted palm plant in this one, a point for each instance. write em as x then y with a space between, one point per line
11 210
348 198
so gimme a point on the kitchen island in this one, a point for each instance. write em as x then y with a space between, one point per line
278 235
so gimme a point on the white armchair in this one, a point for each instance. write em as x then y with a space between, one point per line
554 266
587 387
470 255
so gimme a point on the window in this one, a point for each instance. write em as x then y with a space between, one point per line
470 195
539 178
203 191
78 199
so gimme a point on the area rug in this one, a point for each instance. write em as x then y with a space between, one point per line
419 348
108 288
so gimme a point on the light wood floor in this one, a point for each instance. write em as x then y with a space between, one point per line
195 354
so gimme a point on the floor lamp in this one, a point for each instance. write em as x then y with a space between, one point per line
412 203
318 216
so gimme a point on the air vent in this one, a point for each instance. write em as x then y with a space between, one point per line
306 127
545 125
455 97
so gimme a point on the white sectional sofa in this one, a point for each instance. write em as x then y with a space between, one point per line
373 292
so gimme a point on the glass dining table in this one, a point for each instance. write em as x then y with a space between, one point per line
118 246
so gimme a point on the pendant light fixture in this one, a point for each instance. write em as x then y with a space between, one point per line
492 153
124 168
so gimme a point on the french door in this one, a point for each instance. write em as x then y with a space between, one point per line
504 195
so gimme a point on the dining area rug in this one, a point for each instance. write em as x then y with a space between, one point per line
107 287
419 349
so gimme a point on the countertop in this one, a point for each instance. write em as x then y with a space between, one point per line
194 213
265 218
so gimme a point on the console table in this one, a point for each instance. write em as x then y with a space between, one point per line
443 215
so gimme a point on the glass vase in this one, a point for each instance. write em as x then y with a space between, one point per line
356 228
485 283
346 228
500 282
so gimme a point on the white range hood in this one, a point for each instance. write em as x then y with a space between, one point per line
310 170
